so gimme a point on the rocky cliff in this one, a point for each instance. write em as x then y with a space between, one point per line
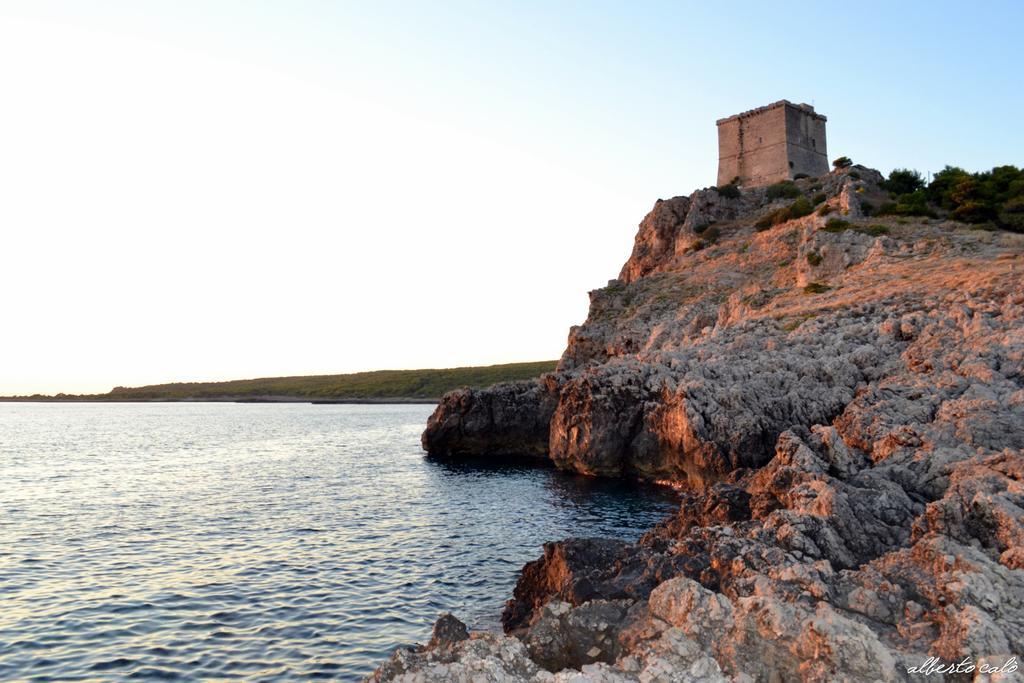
840 400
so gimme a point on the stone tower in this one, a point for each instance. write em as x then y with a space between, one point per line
771 143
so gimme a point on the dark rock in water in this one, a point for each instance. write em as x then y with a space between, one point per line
506 419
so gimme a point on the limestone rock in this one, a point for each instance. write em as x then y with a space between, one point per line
842 408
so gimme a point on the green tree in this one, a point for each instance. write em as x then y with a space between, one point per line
903 181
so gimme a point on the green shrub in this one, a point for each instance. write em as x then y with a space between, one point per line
711 234
940 190
842 162
867 208
826 210
854 175
837 225
816 288
697 245
979 197
1012 216
772 218
903 181
973 211
874 230
786 189
800 208
819 198
814 258
701 228
912 204
729 191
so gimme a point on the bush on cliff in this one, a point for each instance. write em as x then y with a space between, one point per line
837 225
786 189
842 162
902 181
989 196
973 211
798 209
1012 216
910 204
729 191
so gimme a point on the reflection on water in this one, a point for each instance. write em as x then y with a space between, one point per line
264 542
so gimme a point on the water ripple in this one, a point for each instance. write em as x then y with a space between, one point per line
259 542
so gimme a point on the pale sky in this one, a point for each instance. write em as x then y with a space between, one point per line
215 190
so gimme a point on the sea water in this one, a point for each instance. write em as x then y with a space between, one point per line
261 541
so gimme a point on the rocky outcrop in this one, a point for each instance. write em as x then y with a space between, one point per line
841 405
506 419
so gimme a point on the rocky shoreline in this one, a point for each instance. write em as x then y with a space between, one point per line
840 400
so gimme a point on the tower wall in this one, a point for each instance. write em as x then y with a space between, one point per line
770 144
805 134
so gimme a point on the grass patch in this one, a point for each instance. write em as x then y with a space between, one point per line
816 288
814 258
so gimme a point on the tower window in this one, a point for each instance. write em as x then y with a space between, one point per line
791 164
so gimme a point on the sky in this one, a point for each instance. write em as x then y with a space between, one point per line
215 189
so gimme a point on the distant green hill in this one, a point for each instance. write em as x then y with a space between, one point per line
379 385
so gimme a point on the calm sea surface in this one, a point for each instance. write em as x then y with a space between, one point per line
260 542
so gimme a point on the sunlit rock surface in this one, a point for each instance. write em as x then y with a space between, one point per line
842 408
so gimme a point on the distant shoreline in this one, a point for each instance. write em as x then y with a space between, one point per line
399 400
425 386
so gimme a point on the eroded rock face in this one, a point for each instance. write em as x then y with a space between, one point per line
842 408
506 419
